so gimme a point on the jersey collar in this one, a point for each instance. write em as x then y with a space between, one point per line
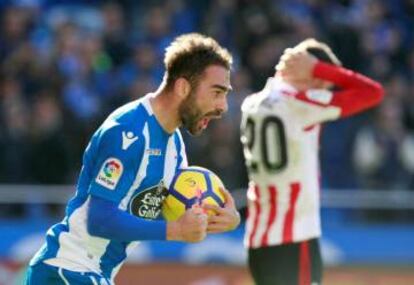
147 104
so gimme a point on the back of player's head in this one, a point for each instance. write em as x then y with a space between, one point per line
190 54
318 49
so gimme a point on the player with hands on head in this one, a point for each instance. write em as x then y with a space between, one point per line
128 166
281 126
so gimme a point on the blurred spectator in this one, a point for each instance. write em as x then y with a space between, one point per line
49 158
383 151
144 63
115 33
157 29
14 30
14 132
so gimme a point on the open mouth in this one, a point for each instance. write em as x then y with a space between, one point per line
204 122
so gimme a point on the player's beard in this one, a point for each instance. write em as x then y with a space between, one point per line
191 114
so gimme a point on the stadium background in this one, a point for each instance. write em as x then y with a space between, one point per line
65 65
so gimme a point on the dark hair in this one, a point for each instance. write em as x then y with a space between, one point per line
320 50
190 54
321 55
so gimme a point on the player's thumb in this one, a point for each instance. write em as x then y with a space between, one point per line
197 209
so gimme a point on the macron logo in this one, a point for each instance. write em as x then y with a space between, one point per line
128 139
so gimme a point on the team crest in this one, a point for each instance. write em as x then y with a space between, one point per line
110 173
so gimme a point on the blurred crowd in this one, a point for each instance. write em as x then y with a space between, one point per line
65 65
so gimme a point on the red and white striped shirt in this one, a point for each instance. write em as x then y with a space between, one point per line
280 134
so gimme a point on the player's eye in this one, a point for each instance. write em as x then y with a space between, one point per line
218 93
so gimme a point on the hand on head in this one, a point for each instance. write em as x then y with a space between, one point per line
296 66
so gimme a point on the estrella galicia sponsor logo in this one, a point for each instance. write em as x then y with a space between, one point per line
110 173
147 203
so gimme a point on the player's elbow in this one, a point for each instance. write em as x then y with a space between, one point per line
373 95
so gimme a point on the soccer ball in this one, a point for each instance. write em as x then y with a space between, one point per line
192 185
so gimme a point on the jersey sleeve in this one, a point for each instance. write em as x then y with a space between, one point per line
107 221
356 93
116 161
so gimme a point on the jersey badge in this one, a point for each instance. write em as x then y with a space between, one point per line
110 173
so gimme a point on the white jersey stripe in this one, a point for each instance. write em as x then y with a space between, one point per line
60 272
142 171
290 214
184 162
251 213
271 216
171 161
254 218
263 215
147 105
93 280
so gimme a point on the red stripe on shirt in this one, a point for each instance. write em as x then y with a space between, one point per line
304 264
290 214
272 214
256 215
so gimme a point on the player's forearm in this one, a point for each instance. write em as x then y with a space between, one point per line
105 220
345 78
357 93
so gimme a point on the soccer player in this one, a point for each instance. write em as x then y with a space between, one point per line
280 132
127 166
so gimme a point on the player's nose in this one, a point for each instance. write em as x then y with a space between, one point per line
222 105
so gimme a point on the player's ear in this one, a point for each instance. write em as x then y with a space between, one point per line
182 87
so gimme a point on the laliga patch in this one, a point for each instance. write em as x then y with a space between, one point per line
110 173
320 96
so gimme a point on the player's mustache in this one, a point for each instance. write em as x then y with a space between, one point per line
214 114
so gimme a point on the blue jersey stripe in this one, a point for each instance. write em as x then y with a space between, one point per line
115 254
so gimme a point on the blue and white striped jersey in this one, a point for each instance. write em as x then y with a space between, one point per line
127 160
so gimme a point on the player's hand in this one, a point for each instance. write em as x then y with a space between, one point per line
226 218
190 227
296 65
